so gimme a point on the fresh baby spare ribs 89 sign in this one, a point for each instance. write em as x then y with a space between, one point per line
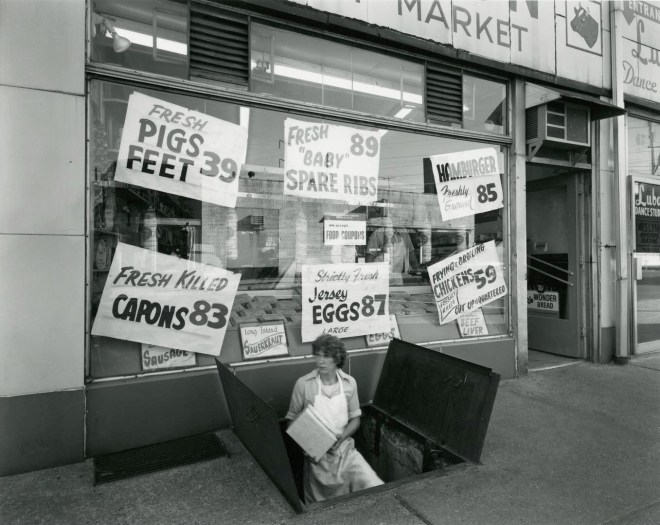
345 300
158 299
324 161
169 148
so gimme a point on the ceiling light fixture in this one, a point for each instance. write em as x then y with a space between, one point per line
119 43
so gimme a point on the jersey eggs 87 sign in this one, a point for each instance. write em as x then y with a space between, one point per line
162 300
346 300
169 148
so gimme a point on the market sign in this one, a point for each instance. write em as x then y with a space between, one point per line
158 358
472 324
467 182
344 231
543 301
560 38
261 340
345 300
325 161
467 281
647 218
162 300
169 148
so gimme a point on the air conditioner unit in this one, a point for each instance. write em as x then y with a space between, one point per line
560 124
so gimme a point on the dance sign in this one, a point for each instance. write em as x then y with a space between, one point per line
162 300
169 148
467 182
467 281
345 300
325 161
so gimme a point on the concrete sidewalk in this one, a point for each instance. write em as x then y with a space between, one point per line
572 445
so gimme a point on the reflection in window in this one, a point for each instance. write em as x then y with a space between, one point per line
643 147
484 105
308 69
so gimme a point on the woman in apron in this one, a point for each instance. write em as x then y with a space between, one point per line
334 394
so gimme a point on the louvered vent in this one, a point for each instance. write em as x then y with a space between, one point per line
444 94
219 44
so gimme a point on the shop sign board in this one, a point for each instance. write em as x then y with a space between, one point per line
543 301
467 182
467 281
472 324
647 218
162 300
346 300
262 340
563 38
344 231
158 358
384 338
169 148
327 161
640 64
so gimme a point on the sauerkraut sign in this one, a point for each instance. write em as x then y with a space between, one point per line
467 182
324 161
162 300
467 281
345 300
169 148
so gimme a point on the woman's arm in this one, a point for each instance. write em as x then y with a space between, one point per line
351 428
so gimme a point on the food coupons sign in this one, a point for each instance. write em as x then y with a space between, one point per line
162 300
467 182
467 281
344 231
324 161
345 300
169 148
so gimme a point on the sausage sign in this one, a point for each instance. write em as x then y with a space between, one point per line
162 300
467 182
467 281
169 148
345 300
324 161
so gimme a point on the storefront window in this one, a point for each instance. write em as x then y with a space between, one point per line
308 69
269 236
150 35
484 105
643 147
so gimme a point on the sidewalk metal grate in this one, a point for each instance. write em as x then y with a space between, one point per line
153 458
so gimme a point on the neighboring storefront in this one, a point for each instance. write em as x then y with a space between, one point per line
259 173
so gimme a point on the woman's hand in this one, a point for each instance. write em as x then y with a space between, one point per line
335 447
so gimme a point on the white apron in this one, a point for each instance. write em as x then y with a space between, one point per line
344 471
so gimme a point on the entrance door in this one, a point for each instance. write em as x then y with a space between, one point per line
553 277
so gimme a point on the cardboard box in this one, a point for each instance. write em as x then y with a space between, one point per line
311 432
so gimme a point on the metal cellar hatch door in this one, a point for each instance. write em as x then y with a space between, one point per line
553 275
256 425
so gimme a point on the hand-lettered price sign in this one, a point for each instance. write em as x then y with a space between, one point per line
345 300
169 148
467 182
162 300
324 161
466 281
384 338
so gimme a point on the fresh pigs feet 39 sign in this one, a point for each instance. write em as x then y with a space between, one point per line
169 148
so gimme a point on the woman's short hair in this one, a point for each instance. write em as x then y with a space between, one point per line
327 345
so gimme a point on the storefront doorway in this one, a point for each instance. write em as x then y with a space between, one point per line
555 222
646 264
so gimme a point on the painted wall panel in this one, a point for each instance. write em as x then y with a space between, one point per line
42 160
576 59
42 313
48 52
540 30
641 79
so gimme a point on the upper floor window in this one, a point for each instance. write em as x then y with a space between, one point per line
308 69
